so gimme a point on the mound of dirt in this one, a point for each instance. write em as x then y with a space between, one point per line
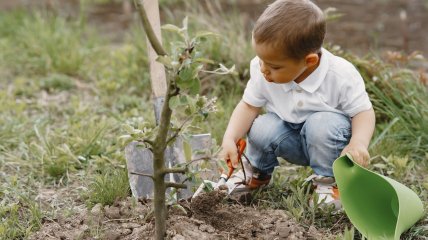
206 217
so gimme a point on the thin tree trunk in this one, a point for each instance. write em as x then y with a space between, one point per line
160 143
159 168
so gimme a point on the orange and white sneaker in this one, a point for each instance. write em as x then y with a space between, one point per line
253 179
326 189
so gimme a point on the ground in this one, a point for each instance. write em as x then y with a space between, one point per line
208 216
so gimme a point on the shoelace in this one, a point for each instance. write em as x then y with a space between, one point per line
317 180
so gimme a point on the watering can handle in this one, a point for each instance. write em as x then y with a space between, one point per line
241 144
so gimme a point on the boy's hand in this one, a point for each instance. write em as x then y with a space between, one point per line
229 151
358 152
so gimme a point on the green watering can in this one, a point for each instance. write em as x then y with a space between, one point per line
379 207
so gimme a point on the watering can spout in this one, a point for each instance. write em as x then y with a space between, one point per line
378 206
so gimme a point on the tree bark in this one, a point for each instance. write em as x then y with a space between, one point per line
159 168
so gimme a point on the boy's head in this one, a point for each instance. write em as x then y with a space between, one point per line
288 37
295 27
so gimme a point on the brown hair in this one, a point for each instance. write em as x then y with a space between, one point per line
296 26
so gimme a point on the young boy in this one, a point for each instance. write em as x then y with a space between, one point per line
316 103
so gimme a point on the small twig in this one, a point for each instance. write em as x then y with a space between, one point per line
175 185
178 130
175 88
142 174
199 159
175 170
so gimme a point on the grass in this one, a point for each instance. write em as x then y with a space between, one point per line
108 188
65 92
290 192
19 212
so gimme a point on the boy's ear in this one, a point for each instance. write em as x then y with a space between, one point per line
312 59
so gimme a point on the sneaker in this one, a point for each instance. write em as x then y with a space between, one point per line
258 179
253 178
326 189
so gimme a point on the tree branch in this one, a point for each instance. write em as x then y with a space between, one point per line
175 185
157 46
175 90
175 170
200 159
143 174
178 130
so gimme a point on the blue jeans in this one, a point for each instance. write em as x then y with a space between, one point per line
317 142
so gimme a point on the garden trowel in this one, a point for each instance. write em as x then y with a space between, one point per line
139 159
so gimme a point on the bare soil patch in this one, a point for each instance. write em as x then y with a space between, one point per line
208 216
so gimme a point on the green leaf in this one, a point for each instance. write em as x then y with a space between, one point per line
192 105
380 166
178 101
179 207
186 74
188 79
195 87
187 151
188 111
128 128
172 28
201 34
204 60
185 23
198 118
200 102
208 187
184 100
173 102
187 62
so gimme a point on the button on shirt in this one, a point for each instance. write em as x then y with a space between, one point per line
334 86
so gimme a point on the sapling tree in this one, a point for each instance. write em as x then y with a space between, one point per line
183 66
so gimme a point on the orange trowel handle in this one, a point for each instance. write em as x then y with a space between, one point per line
241 144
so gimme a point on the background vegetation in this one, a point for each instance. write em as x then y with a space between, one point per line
66 90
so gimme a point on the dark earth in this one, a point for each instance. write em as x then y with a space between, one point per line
208 216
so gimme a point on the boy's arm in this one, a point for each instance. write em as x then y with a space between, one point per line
363 125
239 124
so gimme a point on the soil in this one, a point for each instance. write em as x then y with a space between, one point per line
208 216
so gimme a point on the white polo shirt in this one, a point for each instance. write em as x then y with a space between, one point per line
334 86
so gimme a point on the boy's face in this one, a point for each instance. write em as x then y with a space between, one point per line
277 68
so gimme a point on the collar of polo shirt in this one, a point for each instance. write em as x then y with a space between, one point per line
314 80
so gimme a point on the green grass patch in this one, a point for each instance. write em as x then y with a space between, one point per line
19 213
108 187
